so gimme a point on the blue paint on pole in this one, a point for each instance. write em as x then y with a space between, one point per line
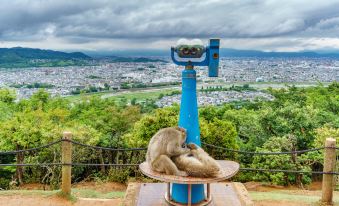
189 120
189 107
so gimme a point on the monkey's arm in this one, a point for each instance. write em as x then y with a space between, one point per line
199 153
174 149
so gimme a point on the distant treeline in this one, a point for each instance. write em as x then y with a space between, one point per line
245 87
34 85
90 89
126 85
45 63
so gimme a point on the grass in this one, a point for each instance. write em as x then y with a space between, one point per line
129 95
88 193
287 196
70 197
153 93
142 95
78 97
78 193
42 193
280 195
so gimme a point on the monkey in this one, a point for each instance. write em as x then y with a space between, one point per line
165 144
197 163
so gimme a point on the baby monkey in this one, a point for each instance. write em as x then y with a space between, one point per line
167 143
197 163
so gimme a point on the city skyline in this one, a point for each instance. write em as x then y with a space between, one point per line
118 76
115 25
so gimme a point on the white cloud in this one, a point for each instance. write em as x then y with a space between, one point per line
102 24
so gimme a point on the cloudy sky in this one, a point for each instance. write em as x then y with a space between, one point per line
269 25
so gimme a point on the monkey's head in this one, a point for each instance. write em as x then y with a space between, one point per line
182 131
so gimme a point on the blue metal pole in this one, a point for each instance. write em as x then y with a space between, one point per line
189 120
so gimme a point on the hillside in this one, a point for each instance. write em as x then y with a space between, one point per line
28 57
19 57
225 52
130 59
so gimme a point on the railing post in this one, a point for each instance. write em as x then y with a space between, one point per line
66 159
329 166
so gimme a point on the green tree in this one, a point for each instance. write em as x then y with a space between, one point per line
282 162
323 133
7 96
110 120
134 101
249 129
221 133
26 130
148 125
161 95
291 119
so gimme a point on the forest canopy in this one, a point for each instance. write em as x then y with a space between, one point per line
297 119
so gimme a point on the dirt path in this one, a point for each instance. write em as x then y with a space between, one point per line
262 195
278 203
34 195
18 200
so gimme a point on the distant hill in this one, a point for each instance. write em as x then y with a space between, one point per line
131 59
19 57
224 52
28 57
29 53
130 53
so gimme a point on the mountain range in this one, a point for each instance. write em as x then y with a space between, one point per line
19 53
18 57
28 57
224 52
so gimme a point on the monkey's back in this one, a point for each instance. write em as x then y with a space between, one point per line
198 165
158 143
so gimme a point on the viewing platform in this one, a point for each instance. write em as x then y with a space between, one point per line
217 194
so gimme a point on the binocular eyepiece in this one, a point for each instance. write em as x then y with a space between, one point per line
190 51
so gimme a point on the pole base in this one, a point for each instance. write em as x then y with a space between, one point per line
172 203
146 194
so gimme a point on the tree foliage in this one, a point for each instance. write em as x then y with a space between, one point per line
280 162
297 118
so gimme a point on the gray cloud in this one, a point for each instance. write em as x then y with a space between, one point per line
81 22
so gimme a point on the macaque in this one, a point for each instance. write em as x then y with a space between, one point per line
197 163
167 143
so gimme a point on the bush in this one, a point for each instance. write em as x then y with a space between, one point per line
118 174
283 162
4 183
221 133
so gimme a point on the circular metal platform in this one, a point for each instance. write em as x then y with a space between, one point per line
228 170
